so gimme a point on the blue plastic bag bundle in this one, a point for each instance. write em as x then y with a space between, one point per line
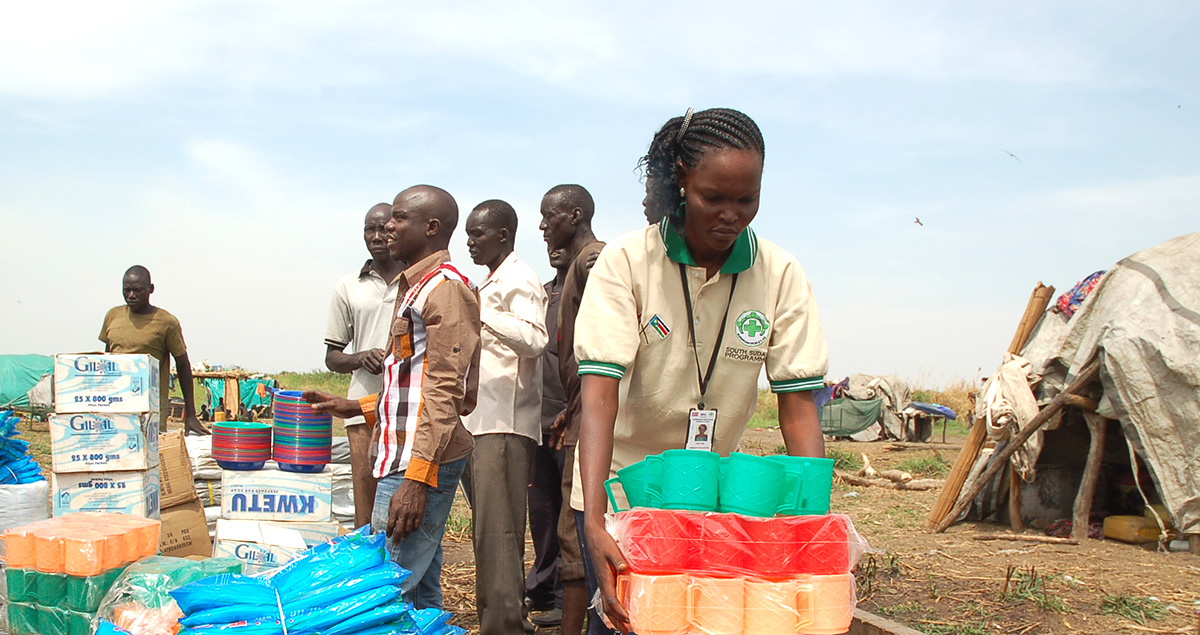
346 586
16 466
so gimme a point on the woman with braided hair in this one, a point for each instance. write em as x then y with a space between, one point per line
679 319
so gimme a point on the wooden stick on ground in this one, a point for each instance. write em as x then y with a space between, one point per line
1086 376
1023 538
915 485
1091 473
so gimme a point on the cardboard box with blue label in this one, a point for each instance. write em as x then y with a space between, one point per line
272 494
99 382
260 546
134 493
104 442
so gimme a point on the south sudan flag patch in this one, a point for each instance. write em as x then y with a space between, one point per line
658 326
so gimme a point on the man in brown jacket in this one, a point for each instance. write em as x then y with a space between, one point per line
420 446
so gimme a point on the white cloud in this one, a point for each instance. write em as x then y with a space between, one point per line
84 50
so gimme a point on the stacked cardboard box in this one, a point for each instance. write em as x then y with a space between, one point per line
184 530
269 516
104 434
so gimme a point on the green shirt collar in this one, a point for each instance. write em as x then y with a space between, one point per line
741 257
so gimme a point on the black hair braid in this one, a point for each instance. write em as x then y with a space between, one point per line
713 128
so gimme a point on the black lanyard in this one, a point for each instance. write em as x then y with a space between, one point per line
712 362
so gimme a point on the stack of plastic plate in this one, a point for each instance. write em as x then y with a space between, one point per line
302 436
241 445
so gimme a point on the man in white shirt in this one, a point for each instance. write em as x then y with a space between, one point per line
359 316
506 422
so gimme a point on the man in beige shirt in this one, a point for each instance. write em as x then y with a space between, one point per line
360 317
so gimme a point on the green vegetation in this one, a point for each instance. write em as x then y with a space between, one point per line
458 524
901 609
844 460
323 380
1027 585
927 466
1134 607
766 412
954 396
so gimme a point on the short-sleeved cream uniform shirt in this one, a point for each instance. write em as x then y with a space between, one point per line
632 325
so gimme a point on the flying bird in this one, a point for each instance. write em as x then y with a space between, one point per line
918 221
1012 155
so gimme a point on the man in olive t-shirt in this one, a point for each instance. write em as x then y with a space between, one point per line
138 327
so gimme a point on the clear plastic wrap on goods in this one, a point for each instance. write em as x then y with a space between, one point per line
709 573
346 586
139 601
710 543
678 604
81 544
24 504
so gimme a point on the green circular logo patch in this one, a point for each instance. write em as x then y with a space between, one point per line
752 328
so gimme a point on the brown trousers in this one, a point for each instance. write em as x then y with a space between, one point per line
496 483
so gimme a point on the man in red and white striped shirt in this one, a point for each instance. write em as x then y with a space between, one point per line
430 381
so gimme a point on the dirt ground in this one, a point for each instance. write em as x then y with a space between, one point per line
951 583
948 583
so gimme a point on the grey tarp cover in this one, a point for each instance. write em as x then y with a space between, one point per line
895 394
1143 321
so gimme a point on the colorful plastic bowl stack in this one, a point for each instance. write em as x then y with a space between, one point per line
241 445
303 437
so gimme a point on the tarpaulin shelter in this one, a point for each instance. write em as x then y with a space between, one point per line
858 398
1125 361
19 374
1142 323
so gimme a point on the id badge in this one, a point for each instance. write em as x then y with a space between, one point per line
702 426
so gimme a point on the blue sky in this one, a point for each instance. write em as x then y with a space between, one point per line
233 148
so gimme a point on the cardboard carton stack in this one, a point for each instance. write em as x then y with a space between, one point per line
269 516
104 434
184 530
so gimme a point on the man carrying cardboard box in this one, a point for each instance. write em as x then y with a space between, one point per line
138 327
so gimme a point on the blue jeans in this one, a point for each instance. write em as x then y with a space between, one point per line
595 623
421 552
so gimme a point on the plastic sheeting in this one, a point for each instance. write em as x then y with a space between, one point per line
344 586
1143 322
895 394
844 417
19 374
24 504
705 572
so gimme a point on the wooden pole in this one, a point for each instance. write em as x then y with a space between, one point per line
1091 473
958 474
1014 499
1038 301
1194 543
1087 375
